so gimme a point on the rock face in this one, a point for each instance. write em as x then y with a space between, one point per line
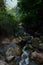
3 62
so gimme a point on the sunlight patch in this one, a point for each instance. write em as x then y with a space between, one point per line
11 4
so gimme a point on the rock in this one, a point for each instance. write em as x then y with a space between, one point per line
38 57
41 37
20 39
41 46
3 62
15 40
12 52
35 42
25 38
5 41
13 63
17 59
34 54
37 34
29 47
30 39
2 57
18 51
33 63
11 37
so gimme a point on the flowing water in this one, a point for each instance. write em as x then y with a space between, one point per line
25 57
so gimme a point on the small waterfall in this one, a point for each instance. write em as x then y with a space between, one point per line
24 57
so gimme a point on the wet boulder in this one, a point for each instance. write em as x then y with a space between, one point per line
12 51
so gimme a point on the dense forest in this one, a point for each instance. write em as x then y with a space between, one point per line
21 33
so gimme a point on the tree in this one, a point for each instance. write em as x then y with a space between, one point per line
2 6
8 24
32 17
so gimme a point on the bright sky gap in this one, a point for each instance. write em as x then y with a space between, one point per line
11 3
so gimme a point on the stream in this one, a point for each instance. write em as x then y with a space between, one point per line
21 60
25 57
11 51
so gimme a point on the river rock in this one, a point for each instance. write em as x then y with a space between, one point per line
38 44
2 57
12 51
15 40
5 41
13 63
41 46
34 54
3 62
29 47
25 38
35 42
38 57
10 54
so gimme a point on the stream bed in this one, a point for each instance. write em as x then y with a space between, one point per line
8 54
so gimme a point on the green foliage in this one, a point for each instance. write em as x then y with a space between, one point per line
32 14
8 24
2 6
27 5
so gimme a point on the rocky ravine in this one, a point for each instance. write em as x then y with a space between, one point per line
12 51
